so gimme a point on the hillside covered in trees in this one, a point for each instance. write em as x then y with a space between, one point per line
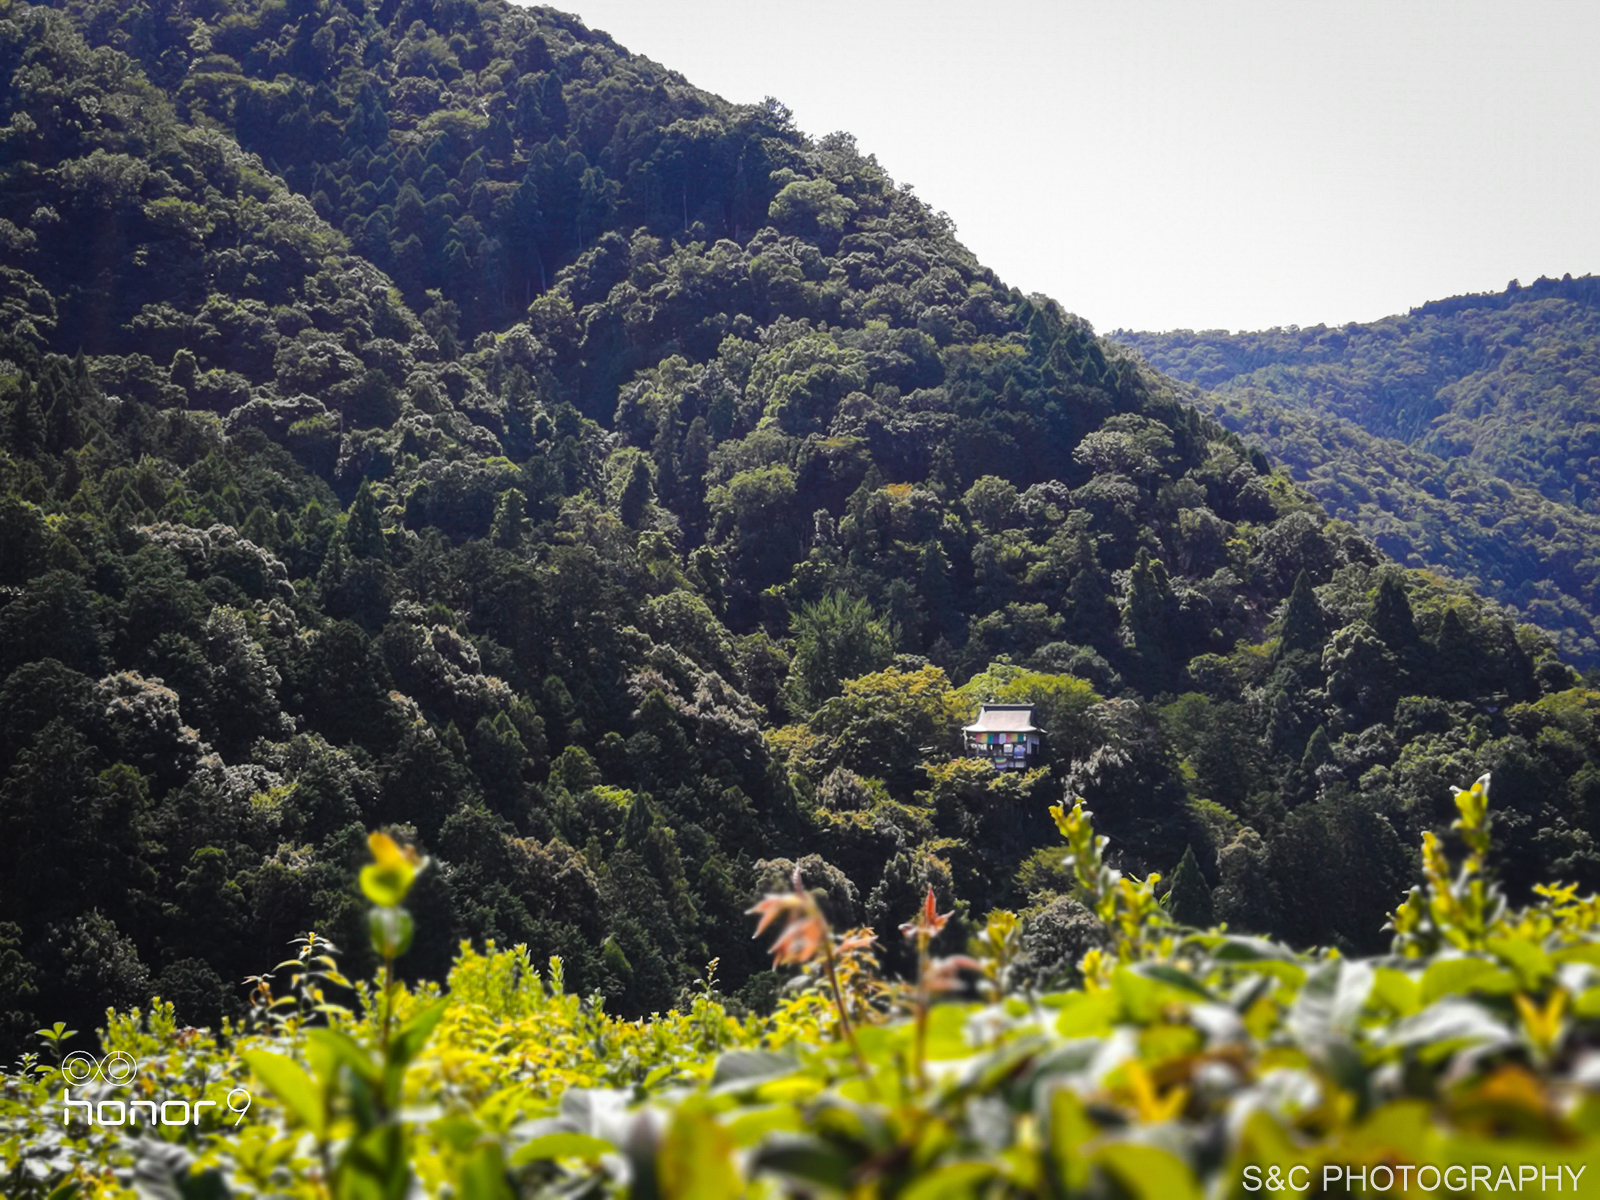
1461 436
427 415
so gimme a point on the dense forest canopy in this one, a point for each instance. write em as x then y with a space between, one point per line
1461 436
427 415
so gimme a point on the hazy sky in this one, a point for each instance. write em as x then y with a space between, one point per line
1194 164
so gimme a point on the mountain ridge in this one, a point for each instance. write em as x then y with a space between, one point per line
1465 402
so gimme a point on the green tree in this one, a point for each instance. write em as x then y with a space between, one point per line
837 638
363 531
1304 627
1189 898
510 523
636 494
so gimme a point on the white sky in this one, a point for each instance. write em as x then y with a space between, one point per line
1194 163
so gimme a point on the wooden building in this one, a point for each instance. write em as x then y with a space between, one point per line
1005 735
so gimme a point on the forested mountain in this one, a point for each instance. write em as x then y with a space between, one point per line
428 415
1463 435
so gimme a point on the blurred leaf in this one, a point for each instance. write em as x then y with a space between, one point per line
561 1145
483 1177
286 1080
1148 1172
695 1161
409 1039
958 1179
743 1070
1452 975
804 1158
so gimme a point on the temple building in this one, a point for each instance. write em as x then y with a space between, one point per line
1005 735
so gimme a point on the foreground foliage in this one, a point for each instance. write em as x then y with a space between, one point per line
1188 1060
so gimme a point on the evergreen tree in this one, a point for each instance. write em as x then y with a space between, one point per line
837 638
1456 660
363 531
1090 610
1304 628
1189 899
1390 616
510 524
1147 620
636 494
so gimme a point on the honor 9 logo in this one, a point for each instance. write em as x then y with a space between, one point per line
117 1070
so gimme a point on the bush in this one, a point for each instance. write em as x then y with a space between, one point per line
1188 1061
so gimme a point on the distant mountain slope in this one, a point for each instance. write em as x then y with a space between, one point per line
1464 435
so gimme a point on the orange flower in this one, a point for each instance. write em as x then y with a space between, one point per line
802 937
929 922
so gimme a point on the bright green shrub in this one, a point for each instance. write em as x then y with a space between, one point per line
1191 1062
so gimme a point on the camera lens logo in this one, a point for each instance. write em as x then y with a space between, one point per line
79 1068
119 1069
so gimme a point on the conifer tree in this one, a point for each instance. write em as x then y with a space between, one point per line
1189 899
1455 659
363 532
1089 609
635 495
1304 627
510 522
1390 616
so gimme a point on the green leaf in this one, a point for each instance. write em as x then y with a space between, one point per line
391 931
1175 978
957 1179
745 1070
1087 1014
1070 1128
483 1176
1148 1172
561 1145
326 1049
411 1037
947 1032
1588 952
295 1090
1532 965
804 1158
753 1124
696 1159
1396 991
375 1166
1250 949
1453 975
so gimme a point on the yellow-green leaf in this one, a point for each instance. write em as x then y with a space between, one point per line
1531 963
696 1159
958 1179
1087 1014
1148 1172
561 1145
1452 975
287 1080
1396 991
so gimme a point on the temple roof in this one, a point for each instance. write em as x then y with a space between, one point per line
1003 718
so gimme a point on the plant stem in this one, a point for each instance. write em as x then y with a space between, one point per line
922 1014
388 1000
845 1026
